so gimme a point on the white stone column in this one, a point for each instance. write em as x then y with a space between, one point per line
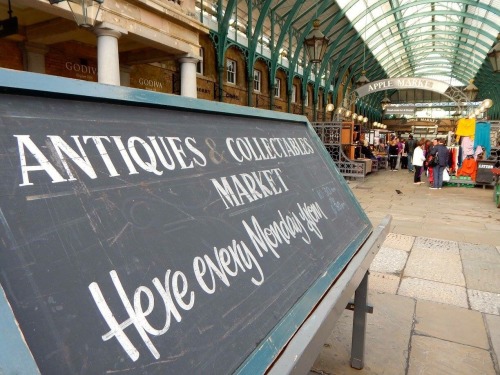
188 76
35 57
108 61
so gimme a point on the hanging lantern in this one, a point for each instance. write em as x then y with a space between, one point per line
84 11
316 43
362 80
494 56
385 102
471 91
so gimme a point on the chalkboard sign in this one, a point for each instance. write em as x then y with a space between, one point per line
484 171
155 240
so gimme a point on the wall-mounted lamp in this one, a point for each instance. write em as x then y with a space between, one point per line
330 107
84 11
316 43
494 56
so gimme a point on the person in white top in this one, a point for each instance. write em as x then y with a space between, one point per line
418 161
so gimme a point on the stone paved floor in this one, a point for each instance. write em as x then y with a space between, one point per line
434 285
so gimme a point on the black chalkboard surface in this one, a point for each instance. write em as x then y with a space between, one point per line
152 240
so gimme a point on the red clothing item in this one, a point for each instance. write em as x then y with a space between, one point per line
468 168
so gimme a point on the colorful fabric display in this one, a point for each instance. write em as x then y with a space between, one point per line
482 137
467 146
466 127
468 168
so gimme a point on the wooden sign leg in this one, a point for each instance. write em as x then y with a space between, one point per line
359 324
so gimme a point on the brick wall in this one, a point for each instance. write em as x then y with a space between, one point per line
154 78
11 56
72 60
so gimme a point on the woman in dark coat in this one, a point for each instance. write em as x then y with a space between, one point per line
393 154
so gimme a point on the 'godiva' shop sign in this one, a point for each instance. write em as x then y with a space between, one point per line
153 78
81 71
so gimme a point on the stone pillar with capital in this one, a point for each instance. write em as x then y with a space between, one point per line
108 61
188 76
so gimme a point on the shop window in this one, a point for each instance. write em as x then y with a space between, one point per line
294 93
231 71
277 87
199 65
257 79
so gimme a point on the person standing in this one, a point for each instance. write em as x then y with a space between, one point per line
418 162
442 153
404 155
393 154
400 151
410 145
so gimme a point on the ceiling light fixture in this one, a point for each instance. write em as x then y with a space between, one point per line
316 43
494 56
84 11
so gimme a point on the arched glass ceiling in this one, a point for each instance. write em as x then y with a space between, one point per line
445 40
387 29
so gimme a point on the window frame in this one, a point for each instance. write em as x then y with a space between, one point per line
257 83
231 73
200 69
277 87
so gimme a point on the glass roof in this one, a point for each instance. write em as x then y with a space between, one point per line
426 39
444 40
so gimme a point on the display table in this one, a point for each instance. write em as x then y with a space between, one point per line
383 161
368 163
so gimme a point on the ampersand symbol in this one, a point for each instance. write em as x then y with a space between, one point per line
213 154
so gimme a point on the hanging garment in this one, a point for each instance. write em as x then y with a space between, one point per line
479 151
466 127
468 168
482 137
467 146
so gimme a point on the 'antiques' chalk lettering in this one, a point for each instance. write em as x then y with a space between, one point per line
162 153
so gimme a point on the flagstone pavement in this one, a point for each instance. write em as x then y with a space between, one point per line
434 285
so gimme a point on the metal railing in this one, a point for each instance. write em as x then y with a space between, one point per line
330 134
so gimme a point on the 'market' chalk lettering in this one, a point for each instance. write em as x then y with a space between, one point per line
237 190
